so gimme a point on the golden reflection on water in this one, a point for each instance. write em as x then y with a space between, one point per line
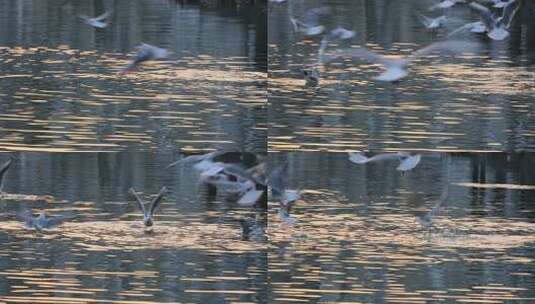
130 235
466 102
26 197
333 253
84 104
114 238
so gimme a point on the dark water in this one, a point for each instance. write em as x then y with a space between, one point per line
195 253
358 239
476 101
61 90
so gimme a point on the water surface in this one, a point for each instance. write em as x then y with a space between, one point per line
61 89
195 254
358 238
478 101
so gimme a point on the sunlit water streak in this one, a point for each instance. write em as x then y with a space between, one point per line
66 93
195 251
358 238
476 101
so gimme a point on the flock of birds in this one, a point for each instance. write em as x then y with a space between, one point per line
235 179
496 18
249 185
407 161
145 52
223 173
495 21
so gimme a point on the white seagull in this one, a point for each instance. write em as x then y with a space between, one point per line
148 213
41 222
145 52
444 4
286 204
496 28
309 25
432 23
396 66
502 3
286 197
407 161
98 22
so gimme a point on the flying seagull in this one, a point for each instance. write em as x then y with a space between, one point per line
229 178
312 74
496 28
145 52
474 27
338 33
444 4
200 162
502 3
41 222
407 161
277 180
98 22
309 24
432 23
286 197
427 220
148 214
252 188
396 66
286 205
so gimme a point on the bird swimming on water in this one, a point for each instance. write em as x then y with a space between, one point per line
149 213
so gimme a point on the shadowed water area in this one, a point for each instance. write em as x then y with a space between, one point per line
194 254
478 100
358 238
61 87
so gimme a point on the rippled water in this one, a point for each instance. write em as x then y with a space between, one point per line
61 89
359 235
358 239
195 253
477 101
